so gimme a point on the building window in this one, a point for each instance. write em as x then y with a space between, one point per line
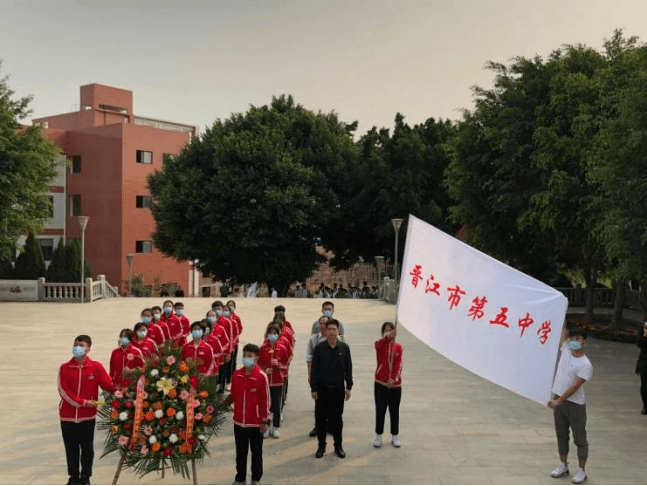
75 164
51 206
144 157
75 205
144 201
145 246
47 247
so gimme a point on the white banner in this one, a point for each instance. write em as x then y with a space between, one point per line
480 313
19 290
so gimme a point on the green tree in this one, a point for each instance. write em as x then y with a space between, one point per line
6 269
397 174
27 166
30 264
56 270
253 197
73 262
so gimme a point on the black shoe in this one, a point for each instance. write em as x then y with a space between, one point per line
340 452
313 432
320 452
85 480
73 480
644 411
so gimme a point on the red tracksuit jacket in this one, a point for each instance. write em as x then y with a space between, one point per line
121 358
202 354
389 362
174 325
158 332
78 383
228 326
239 326
221 334
251 397
278 373
146 346
218 351
186 324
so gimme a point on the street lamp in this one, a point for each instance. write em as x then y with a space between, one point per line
83 222
129 259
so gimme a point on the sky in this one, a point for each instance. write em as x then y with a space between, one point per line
194 62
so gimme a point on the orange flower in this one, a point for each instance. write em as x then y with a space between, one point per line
183 435
182 448
146 404
142 439
172 393
183 367
114 414
203 394
206 418
157 405
150 416
170 412
166 369
156 447
166 433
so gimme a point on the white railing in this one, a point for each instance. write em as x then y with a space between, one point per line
71 292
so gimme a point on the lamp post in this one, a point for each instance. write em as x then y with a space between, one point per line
396 226
129 259
83 222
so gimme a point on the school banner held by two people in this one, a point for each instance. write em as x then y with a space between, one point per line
480 313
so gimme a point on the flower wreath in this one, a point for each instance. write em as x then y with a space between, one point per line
162 413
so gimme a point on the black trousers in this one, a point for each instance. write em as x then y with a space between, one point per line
386 397
329 411
643 389
222 378
285 390
231 366
248 438
79 446
276 404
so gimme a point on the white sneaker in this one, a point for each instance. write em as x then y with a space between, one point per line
395 441
561 470
266 434
275 433
580 476
378 441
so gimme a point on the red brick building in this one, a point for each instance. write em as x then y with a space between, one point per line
110 152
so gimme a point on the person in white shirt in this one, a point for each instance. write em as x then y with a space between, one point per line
568 403
327 309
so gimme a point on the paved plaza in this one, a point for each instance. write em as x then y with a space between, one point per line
455 427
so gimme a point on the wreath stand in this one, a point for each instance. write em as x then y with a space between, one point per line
121 465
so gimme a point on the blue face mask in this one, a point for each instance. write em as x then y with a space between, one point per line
225 313
207 330
248 362
575 345
211 319
273 337
179 312
146 319
167 310
197 333
124 341
218 312
141 334
78 351
327 313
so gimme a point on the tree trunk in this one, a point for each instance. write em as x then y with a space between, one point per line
590 276
619 304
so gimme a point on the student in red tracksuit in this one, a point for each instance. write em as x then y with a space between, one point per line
172 321
141 340
227 341
78 385
198 350
273 360
388 383
126 356
184 320
238 330
251 398
218 350
222 312
281 308
157 330
287 338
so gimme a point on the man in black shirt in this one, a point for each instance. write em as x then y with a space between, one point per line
331 367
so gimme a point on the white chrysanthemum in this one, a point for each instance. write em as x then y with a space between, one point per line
159 413
179 415
155 372
152 439
123 416
202 437
172 438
